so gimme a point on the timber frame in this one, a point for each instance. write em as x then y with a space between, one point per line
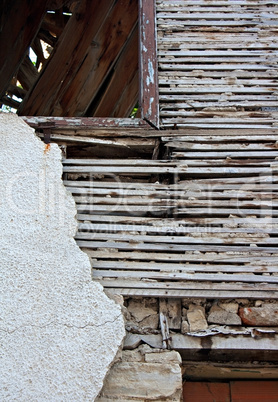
189 209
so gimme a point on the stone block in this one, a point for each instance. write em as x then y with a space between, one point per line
231 307
141 308
217 315
143 381
144 311
132 356
184 327
196 318
131 341
267 315
163 357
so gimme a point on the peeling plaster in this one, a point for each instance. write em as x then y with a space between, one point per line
150 106
59 332
150 77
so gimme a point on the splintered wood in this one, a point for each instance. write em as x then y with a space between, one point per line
201 224
217 63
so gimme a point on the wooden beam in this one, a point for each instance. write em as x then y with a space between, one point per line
149 100
92 124
20 22
27 73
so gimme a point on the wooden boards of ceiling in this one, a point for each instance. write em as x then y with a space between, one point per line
88 50
217 63
93 67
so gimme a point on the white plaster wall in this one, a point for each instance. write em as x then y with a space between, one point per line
59 333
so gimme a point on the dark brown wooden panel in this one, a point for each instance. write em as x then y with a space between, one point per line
254 391
206 392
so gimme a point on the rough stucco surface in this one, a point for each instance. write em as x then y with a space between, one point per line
59 332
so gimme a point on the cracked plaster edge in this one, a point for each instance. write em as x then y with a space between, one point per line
108 295
116 298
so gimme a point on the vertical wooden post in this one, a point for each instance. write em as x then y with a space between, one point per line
148 88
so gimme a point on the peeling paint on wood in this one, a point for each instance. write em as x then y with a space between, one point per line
148 62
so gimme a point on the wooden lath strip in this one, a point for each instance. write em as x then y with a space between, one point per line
249 278
175 268
256 259
138 290
153 247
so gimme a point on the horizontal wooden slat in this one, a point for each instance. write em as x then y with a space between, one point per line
176 224
121 245
257 259
172 268
181 293
207 238
141 288
172 275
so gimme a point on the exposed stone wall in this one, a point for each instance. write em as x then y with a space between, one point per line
59 332
195 315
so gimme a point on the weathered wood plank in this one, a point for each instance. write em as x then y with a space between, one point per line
219 67
97 126
175 230
209 277
212 14
262 183
172 247
175 224
177 202
210 294
149 99
221 155
172 170
175 195
172 268
256 259
187 285
121 162
198 238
